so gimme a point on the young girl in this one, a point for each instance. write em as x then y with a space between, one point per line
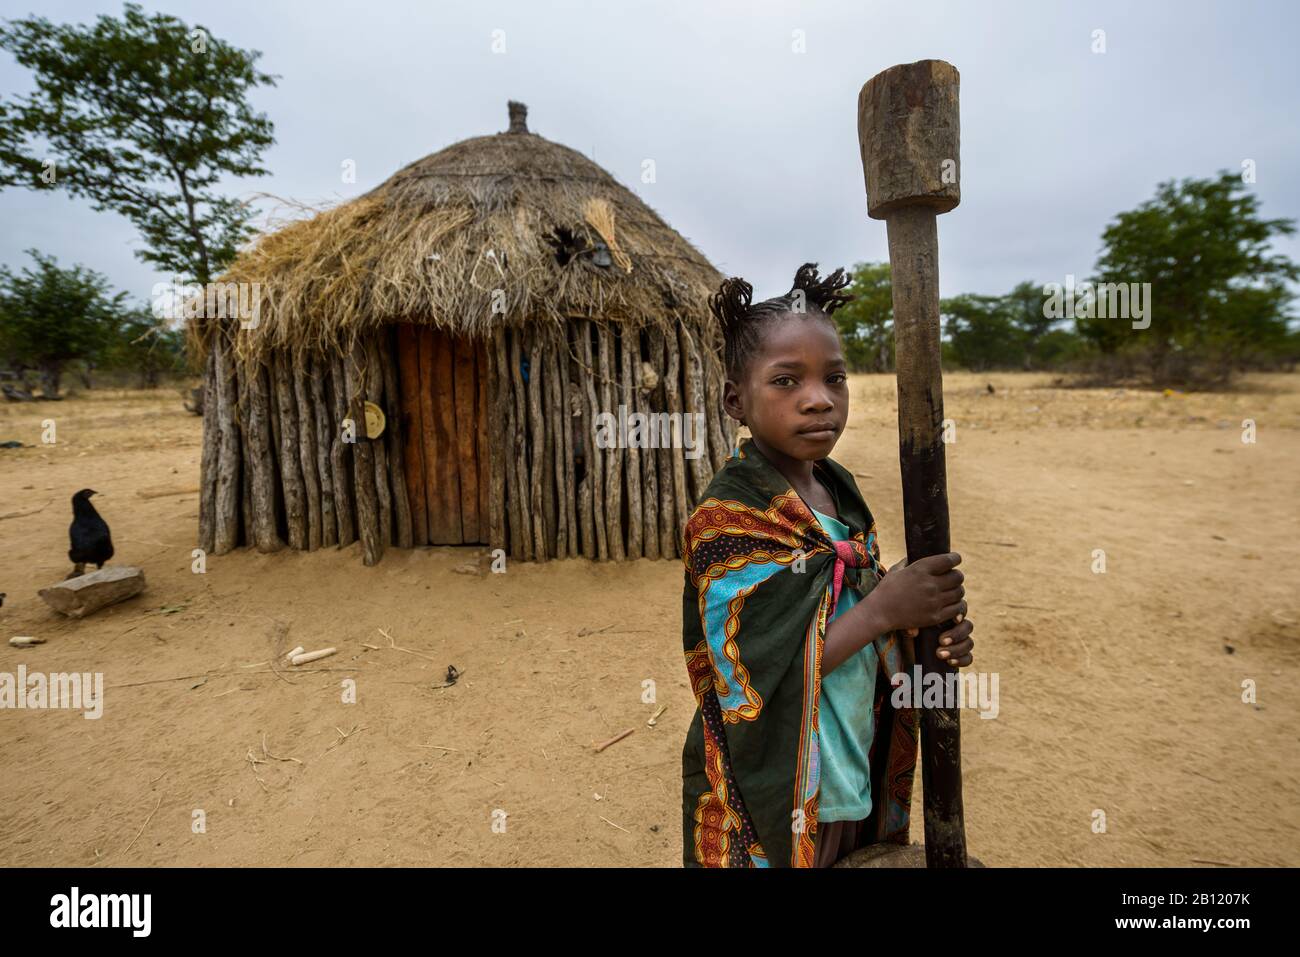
791 628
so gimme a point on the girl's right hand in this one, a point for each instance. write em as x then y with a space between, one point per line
929 592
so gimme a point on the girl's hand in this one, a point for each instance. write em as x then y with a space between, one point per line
928 592
955 644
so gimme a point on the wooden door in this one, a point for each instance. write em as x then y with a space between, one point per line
445 435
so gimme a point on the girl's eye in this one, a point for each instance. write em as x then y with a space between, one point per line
837 378
783 380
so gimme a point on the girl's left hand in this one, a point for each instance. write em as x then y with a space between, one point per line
955 645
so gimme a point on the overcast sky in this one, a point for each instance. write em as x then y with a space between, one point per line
755 144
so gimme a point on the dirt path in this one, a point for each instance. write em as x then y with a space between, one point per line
1117 692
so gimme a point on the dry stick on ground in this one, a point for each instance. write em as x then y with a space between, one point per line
614 740
343 736
144 825
226 674
164 492
30 511
393 645
253 763
275 757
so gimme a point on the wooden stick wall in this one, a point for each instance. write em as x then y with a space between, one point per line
277 467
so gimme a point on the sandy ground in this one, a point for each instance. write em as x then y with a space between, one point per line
1118 691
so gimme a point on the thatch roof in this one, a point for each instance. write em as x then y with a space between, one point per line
512 216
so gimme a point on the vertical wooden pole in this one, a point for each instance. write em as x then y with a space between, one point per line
317 377
629 366
341 458
295 497
496 442
363 458
211 453
260 441
909 134
298 369
230 464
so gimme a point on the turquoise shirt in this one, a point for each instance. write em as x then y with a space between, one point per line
846 718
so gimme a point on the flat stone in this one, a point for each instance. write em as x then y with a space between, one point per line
86 594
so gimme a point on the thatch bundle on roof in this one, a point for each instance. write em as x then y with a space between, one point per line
493 300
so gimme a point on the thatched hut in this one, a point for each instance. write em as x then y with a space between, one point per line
492 300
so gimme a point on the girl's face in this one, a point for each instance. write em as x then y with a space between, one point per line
795 395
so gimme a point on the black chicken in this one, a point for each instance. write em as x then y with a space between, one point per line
91 541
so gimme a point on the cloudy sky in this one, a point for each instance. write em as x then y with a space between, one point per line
748 110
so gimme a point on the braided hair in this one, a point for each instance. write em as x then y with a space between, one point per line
742 322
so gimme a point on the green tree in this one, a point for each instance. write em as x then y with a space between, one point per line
51 316
866 324
143 116
146 345
1218 291
982 332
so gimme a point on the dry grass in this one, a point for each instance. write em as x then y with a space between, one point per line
471 228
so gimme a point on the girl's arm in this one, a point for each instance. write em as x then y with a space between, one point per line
850 633
928 592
